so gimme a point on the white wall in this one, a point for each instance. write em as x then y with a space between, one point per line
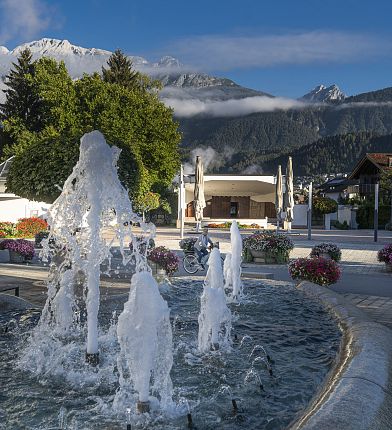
11 209
344 214
300 216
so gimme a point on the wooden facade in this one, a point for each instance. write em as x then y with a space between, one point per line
224 207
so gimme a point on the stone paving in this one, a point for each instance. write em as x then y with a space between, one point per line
379 308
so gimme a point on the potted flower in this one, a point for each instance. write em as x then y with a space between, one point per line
321 271
188 244
385 255
327 250
4 253
20 250
165 260
268 247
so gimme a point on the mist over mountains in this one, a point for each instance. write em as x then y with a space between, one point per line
252 128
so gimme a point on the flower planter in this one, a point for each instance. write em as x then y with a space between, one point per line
325 255
388 267
16 257
4 256
265 257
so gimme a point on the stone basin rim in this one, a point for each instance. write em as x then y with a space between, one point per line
357 392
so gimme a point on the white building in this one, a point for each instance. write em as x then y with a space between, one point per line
246 198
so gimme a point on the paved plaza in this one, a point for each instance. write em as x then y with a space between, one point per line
364 280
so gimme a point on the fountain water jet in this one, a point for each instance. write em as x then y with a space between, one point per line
215 316
92 199
145 337
236 259
227 271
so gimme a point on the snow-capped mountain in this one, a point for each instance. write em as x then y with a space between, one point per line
323 94
174 75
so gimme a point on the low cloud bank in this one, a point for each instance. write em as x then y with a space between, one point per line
212 160
233 107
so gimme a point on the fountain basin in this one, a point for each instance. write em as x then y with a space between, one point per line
357 395
301 339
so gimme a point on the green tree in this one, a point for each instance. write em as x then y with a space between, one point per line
21 109
134 120
22 101
120 71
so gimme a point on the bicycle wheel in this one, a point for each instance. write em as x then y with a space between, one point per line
190 263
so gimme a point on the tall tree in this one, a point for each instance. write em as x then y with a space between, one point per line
134 120
22 104
120 71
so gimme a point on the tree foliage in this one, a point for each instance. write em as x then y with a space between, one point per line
324 205
22 101
120 71
135 120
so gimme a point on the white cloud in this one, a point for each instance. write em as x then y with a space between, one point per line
225 52
232 107
23 19
212 160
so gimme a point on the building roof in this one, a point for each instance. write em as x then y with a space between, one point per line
381 160
336 185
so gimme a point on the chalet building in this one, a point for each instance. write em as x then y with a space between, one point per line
338 188
368 170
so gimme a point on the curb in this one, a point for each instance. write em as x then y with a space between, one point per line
357 394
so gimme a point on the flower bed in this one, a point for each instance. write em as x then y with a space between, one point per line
20 246
7 229
165 258
321 271
25 227
228 225
276 248
330 249
29 227
384 255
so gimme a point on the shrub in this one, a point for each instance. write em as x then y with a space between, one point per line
327 248
20 246
321 271
340 225
384 255
29 227
324 205
365 215
165 258
7 229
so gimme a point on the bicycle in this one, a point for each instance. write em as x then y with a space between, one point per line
191 263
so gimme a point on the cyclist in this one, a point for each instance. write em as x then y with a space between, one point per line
202 245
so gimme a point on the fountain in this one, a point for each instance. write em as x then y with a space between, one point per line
42 355
227 271
236 259
215 316
92 199
145 338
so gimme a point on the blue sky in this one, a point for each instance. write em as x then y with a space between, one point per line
284 47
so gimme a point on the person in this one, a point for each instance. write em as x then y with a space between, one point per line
202 244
